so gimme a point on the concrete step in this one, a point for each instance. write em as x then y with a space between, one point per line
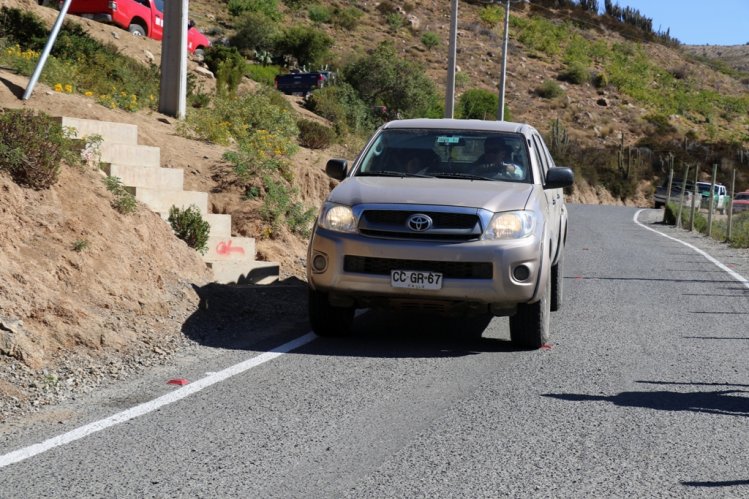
228 249
169 179
161 201
254 272
220 225
122 133
129 154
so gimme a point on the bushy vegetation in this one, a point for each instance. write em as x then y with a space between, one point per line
124 201
279 209
188 224
549 89
314 135
33 147
268 8
384 78
228 65
305 45
78 63
430 39
342 106
478 104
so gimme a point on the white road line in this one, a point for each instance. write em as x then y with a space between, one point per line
145 408
730 272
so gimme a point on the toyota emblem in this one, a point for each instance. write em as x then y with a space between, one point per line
419 222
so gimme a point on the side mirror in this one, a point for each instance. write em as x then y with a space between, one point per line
337 168
559 177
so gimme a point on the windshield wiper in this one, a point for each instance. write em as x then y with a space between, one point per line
468 176
391 173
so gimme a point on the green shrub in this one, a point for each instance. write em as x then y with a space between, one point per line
341 105
309 46
549 89
23 28
395 22
263 74
188 225
740 231
278 209
386 7
478 104
575 73
491 15
256 32
347 18
462 79
124 202
600 80
80 245
297 4
33 147
314 135
228 65
269 8
430 39
320 13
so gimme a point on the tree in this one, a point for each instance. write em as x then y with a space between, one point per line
309 46
384 78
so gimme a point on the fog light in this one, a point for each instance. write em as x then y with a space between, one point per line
521 273
319 263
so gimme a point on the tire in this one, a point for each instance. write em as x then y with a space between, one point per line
137 30
327 320
199 52
557 284
529 327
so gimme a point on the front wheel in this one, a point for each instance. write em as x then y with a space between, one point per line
327 320
137 30
529 327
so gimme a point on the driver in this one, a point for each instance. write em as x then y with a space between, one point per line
497 160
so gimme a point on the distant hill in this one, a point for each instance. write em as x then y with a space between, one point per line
736 56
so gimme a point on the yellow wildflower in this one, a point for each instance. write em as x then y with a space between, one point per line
58 87
69 88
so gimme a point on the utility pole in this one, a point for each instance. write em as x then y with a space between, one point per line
173 93
450 92
501 110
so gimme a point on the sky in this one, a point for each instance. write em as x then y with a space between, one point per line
697 22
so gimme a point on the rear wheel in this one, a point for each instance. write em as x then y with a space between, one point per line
137 30
557 284
529 327
327 320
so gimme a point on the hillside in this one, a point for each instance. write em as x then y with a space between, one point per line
735 56
130 292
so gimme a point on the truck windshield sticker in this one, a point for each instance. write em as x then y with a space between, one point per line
444 139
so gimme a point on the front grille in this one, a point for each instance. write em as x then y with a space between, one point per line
445 226
441 220
383 266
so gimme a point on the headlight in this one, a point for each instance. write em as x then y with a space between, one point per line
338 218
511 225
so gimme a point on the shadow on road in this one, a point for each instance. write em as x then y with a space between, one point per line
260 318
727 483
722 402
14 89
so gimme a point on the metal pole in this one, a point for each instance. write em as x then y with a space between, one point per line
450 92
47 49
711 206
730 206
501 110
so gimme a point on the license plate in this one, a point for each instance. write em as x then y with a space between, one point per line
415 279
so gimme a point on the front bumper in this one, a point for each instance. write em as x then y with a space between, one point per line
499 290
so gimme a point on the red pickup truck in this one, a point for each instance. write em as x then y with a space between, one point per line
139 17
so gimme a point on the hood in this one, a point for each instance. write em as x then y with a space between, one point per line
493 196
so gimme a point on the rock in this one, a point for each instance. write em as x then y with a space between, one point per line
603 102
115 35
12 325
414 22
149 56
204 71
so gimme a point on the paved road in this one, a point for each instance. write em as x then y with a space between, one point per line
644 393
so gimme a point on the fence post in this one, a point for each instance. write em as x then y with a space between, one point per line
730 206
711 205
668 192
681 198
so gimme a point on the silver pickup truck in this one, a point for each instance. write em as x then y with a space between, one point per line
451 217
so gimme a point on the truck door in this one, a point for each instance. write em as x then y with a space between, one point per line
553 196
157 21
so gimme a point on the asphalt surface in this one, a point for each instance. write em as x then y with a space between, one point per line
644 392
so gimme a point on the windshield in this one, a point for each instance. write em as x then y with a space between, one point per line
742 196
462 154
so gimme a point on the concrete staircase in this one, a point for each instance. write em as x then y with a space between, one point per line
232 259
